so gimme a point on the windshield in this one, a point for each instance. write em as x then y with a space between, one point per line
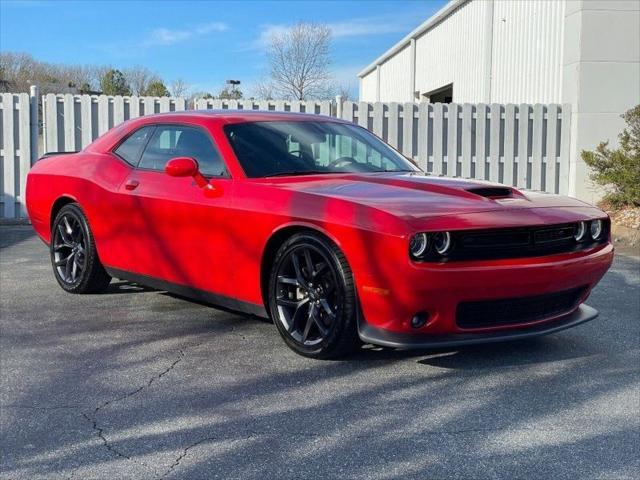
296 148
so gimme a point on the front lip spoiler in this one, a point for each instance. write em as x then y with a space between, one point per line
384 338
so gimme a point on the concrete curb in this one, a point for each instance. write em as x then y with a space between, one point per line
14 221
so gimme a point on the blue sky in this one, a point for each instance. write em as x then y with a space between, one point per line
202 42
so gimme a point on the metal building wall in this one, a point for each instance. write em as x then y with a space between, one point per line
395 77
453 52
527 52
500 51
368 86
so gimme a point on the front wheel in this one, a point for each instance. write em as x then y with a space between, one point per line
75 261
312 297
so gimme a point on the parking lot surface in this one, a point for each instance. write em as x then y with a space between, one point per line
136 383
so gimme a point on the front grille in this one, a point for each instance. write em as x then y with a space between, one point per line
554 235
509 311
516 242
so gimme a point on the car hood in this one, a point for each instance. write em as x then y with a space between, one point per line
417 195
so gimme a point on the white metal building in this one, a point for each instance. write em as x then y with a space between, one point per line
475 51
585 53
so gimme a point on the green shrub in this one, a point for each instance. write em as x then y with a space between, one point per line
618 170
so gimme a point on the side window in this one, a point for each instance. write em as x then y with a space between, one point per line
130 149
170 141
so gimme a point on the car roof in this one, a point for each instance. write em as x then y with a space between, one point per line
202 117
234 116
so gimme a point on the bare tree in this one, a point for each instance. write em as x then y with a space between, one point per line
299 62
179 88
100 71
20 70
263 90
343 91
139 79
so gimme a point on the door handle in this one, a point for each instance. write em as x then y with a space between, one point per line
131 184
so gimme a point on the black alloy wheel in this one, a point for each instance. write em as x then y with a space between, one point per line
312 297
73 255
69 249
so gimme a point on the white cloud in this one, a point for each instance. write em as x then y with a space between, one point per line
361 27
267 32
159 37
212 27
165 36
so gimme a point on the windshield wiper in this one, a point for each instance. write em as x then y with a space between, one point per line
315 172
295 172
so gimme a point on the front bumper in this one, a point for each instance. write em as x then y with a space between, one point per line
439 289
385 338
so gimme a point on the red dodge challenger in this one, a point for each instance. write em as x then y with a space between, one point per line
319 225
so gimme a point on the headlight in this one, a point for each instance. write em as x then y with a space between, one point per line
442 242
596 229
581 231
418 244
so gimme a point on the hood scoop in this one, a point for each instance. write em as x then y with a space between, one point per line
492 192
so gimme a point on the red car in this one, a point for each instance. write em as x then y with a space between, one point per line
319 225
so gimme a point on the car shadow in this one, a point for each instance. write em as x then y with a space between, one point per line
124 286
511 354
13 234
213 306
485 356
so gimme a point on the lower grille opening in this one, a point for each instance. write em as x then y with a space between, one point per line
508 311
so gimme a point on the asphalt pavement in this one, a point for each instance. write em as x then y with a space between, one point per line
136 383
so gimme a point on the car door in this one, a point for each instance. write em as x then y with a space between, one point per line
174 232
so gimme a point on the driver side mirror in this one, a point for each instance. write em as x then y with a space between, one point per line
181 167
188 167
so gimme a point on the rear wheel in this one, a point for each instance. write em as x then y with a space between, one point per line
312 297
75 261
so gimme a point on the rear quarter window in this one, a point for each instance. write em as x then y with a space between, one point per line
131 148
170 141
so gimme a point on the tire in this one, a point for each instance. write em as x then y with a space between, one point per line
74 259
312 297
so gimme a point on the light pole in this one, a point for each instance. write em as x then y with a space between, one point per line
234 88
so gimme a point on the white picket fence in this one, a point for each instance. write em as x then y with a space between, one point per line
526 146
520 145
318 107
71 122
17 151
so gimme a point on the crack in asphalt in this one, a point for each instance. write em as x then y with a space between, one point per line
92 416
148 384
38 407
99 432
184 453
